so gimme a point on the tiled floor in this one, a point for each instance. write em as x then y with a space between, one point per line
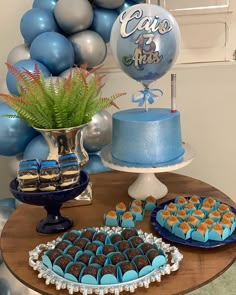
224 285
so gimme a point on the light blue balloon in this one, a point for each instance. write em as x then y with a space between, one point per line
15 134
28 64
37 148
53 50
125 6
145 41
45 4
103 20
37 21
95 165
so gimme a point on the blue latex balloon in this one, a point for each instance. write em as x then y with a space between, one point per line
8 202
28 64
37 21
145 41
45 4
15 134
125 6
53 50
103 20
37 148
95 165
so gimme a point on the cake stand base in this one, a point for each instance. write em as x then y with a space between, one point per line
147 184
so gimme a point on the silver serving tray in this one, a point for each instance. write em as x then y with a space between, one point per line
172 253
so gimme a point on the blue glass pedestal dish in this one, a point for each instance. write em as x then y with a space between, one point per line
52 202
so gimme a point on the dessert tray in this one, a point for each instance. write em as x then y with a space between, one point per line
172 258
174 236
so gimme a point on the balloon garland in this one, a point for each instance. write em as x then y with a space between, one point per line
57 35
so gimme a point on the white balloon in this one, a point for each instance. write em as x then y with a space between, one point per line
110 4
73 15
18 53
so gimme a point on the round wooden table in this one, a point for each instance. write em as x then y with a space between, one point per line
198 267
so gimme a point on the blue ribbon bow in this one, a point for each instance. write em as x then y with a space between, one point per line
147 95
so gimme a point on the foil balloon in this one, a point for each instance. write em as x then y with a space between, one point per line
15 134
45 4
53 50
108 3
98 133
18 53
103 21
37 148
37 21
28 64
9 285
95 165
89 48
145 41
73 15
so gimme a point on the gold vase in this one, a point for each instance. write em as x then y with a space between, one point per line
68 140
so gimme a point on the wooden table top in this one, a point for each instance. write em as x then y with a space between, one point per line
198 267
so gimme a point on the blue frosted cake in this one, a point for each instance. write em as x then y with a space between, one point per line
150 137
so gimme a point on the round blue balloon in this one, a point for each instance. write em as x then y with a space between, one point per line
103 20
28 64
53 50
37 148
95 165
125 6
145 41
15 134
37 21
45 4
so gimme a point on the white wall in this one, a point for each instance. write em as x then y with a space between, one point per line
206 99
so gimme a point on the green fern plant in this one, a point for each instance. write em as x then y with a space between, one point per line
68 102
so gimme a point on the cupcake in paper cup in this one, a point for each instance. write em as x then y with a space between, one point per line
115 258
136 203
93 247
84 257
81 243
126 271
201 234
219 232
115 237
162 215
106 249
136 241
132 252
62 245
101 237
123 245
128 233
88 233
183 230
98 260
120 208
145 247
71 251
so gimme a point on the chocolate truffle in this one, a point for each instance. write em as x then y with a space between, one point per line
62 245
129 233
108 269
81 243
90 270
100 237
53 254
126 266
140 262
108 249
117 257
132 252
116 238
146 246
84 258
123 245
92 247
135 241
72 251
99 259
88 234
71 236
75 269
152 254
63 261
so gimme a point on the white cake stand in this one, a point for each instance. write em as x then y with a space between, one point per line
146 184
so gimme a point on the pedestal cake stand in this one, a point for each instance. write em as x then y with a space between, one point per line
147 183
